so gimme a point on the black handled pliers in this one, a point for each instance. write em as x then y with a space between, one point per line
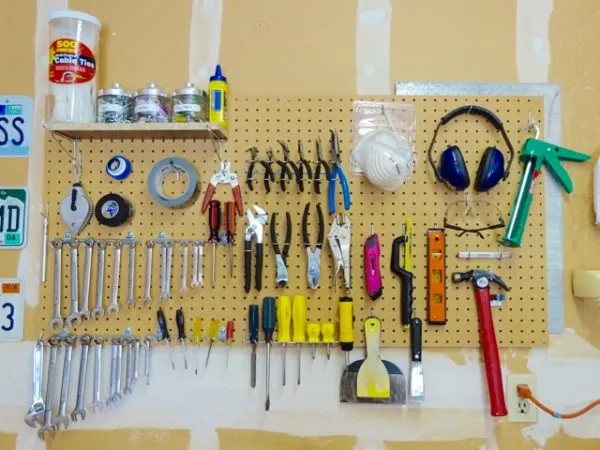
281 252
313 257
321 166
285 165
303 165
269 175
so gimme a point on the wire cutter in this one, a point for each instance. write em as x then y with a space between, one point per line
281 253
224 176
285 166
321 165
313 257
303 165
254 230
337 173
268 175
339 242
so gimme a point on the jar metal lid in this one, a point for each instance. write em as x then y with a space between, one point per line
115 89
152 89
189 89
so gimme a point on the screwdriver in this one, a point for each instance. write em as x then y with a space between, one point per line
230 232
299 323
284 320
253 338
197 339
346 312
328 331
229 330
179 319
164 331
313 329
213 333
214 222
268 322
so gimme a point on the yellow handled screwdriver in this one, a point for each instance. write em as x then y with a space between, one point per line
284 320
346 312
328 331
197 339
313 329
213 334
299 324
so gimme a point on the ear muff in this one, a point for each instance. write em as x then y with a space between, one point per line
453 169
490 170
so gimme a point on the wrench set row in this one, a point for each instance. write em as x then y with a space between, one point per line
80 299
41 412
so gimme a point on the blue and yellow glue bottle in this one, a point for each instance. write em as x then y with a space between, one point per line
217 97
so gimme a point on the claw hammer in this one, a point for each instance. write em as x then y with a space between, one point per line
481 280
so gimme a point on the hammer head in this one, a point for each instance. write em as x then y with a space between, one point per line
477 276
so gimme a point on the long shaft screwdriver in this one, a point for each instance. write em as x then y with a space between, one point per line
197 340
229 331
253 338
346 312
229 224
299 324
284 320
164 331
213 333
268 323
180 320
214 222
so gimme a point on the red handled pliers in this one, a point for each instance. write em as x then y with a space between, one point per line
224 176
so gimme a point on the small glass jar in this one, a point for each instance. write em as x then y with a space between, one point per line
152 105
189 104
114 105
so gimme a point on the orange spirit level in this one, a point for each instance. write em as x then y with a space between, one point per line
436 276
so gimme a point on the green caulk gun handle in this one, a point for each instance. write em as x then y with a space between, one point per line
535 154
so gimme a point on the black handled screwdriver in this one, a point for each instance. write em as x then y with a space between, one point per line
269 322
180 320
253 338
214 222
164 331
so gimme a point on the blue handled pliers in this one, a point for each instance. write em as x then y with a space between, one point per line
337 173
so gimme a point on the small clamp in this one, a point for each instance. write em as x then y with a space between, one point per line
268 174
281 253
313 257
337 173
224 176
339 242
285 166
303 165
321 165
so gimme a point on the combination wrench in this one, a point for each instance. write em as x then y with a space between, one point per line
62 420
97 403
79 410
88 245
136 361
168 270
56 323
163 269
128 367
74 281
148 280
47 426
147 352
132 244
200 263
113 307
195 255
184 266
98 311
36 411
112 392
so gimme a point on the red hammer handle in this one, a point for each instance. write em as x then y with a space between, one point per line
491 358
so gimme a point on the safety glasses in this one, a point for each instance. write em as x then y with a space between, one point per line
473 216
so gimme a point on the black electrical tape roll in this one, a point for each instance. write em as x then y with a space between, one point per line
113 210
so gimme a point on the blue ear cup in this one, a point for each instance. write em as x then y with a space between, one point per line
490 170
453 170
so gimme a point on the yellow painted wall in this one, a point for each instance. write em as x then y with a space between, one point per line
306 48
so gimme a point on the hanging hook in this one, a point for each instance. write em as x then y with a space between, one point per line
531 125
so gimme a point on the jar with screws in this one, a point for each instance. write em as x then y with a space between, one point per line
190 104
152 104
115 105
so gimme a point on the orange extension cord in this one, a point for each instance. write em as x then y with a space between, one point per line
523 391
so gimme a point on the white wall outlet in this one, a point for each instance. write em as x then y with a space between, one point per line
520 410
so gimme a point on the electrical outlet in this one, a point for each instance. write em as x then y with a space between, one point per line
519 409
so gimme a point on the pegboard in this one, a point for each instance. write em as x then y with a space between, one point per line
260 122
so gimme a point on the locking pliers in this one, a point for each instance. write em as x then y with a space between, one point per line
339 241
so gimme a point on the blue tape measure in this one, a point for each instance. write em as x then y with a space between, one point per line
118 167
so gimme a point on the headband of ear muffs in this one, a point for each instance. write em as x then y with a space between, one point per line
452 169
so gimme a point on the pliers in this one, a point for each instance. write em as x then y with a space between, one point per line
303 165
285 166
321 165
254 230
339 242
281 253
224 176
313 257
268 175
337 173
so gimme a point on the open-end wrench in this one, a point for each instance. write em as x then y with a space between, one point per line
113 307
163 269
98 311
147 352
62 420
201 264
84 313
74 281
35 412
184 266
47 426
97 403
168 270
79 410
195 255
128 366
131 273
56 323
110 402
148 281
136 361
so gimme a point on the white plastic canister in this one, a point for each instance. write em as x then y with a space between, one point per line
72 65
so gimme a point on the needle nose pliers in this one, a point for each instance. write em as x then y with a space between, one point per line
337 173
303 165
285 165
269 176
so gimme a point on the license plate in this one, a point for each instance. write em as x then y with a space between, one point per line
11 309
16 118
13 217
